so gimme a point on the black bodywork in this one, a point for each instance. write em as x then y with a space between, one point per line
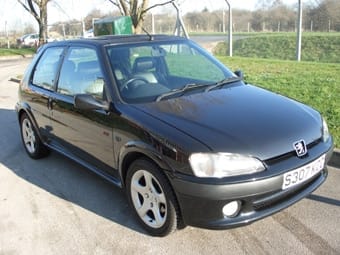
239 118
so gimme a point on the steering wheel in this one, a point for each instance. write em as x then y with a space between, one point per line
132 83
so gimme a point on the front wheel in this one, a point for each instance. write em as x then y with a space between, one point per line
152 198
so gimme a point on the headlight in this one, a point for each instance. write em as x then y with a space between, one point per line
325 132
223 164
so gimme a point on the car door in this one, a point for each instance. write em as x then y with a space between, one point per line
41 88
85 135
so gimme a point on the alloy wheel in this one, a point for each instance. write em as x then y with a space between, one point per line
148 199
28 136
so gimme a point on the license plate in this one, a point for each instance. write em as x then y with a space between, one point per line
303 173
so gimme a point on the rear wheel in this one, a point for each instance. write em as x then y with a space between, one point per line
152 198
32 143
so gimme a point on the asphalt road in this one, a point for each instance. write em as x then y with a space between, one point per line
208 42
54 206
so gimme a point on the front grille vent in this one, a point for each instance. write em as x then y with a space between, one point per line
290 154
281 196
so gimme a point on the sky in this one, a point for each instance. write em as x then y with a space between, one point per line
12 15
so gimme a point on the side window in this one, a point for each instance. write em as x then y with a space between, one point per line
81 73
121 63
46 70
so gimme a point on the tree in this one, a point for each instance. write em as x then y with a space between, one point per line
324 16
136 10
93 14
70 28
38 9
273 15
29 29
196 21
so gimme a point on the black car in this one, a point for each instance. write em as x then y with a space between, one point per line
189 140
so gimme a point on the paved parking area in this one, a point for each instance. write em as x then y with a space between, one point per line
54 206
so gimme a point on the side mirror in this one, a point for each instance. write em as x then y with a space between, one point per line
239 74
88 102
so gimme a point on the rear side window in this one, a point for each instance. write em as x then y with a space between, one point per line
46 70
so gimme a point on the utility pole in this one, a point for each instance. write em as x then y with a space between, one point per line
63 27
153 23
83 27
223 21
230 30
299 33
311 26
6 32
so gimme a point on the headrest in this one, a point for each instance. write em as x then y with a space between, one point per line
143 64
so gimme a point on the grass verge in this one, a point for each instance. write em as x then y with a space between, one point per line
315 84
16 52
315 47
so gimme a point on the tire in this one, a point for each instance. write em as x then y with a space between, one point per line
152 198
31 141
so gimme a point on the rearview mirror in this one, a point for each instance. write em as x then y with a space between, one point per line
88 102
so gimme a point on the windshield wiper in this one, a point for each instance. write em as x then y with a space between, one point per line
191 86
185 88
223 82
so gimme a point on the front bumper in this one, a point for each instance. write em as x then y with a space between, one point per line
201 203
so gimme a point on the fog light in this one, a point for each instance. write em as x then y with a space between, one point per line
232 209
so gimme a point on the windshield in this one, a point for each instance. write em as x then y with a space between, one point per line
143 72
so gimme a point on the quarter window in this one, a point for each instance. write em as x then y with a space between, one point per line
46 70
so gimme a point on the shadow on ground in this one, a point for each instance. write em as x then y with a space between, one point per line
63 178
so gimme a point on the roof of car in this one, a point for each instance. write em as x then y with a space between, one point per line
121 39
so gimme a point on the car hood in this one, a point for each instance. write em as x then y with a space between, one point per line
240 119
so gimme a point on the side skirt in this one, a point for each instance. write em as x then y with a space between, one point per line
106 176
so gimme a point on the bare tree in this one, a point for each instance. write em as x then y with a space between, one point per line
91 16
136 10
273 15
324 15
38 9
28 29
267 4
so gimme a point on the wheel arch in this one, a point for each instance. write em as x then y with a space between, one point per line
25 109
136 150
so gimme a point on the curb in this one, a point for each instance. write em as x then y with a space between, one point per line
335 159
14 57
16 80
